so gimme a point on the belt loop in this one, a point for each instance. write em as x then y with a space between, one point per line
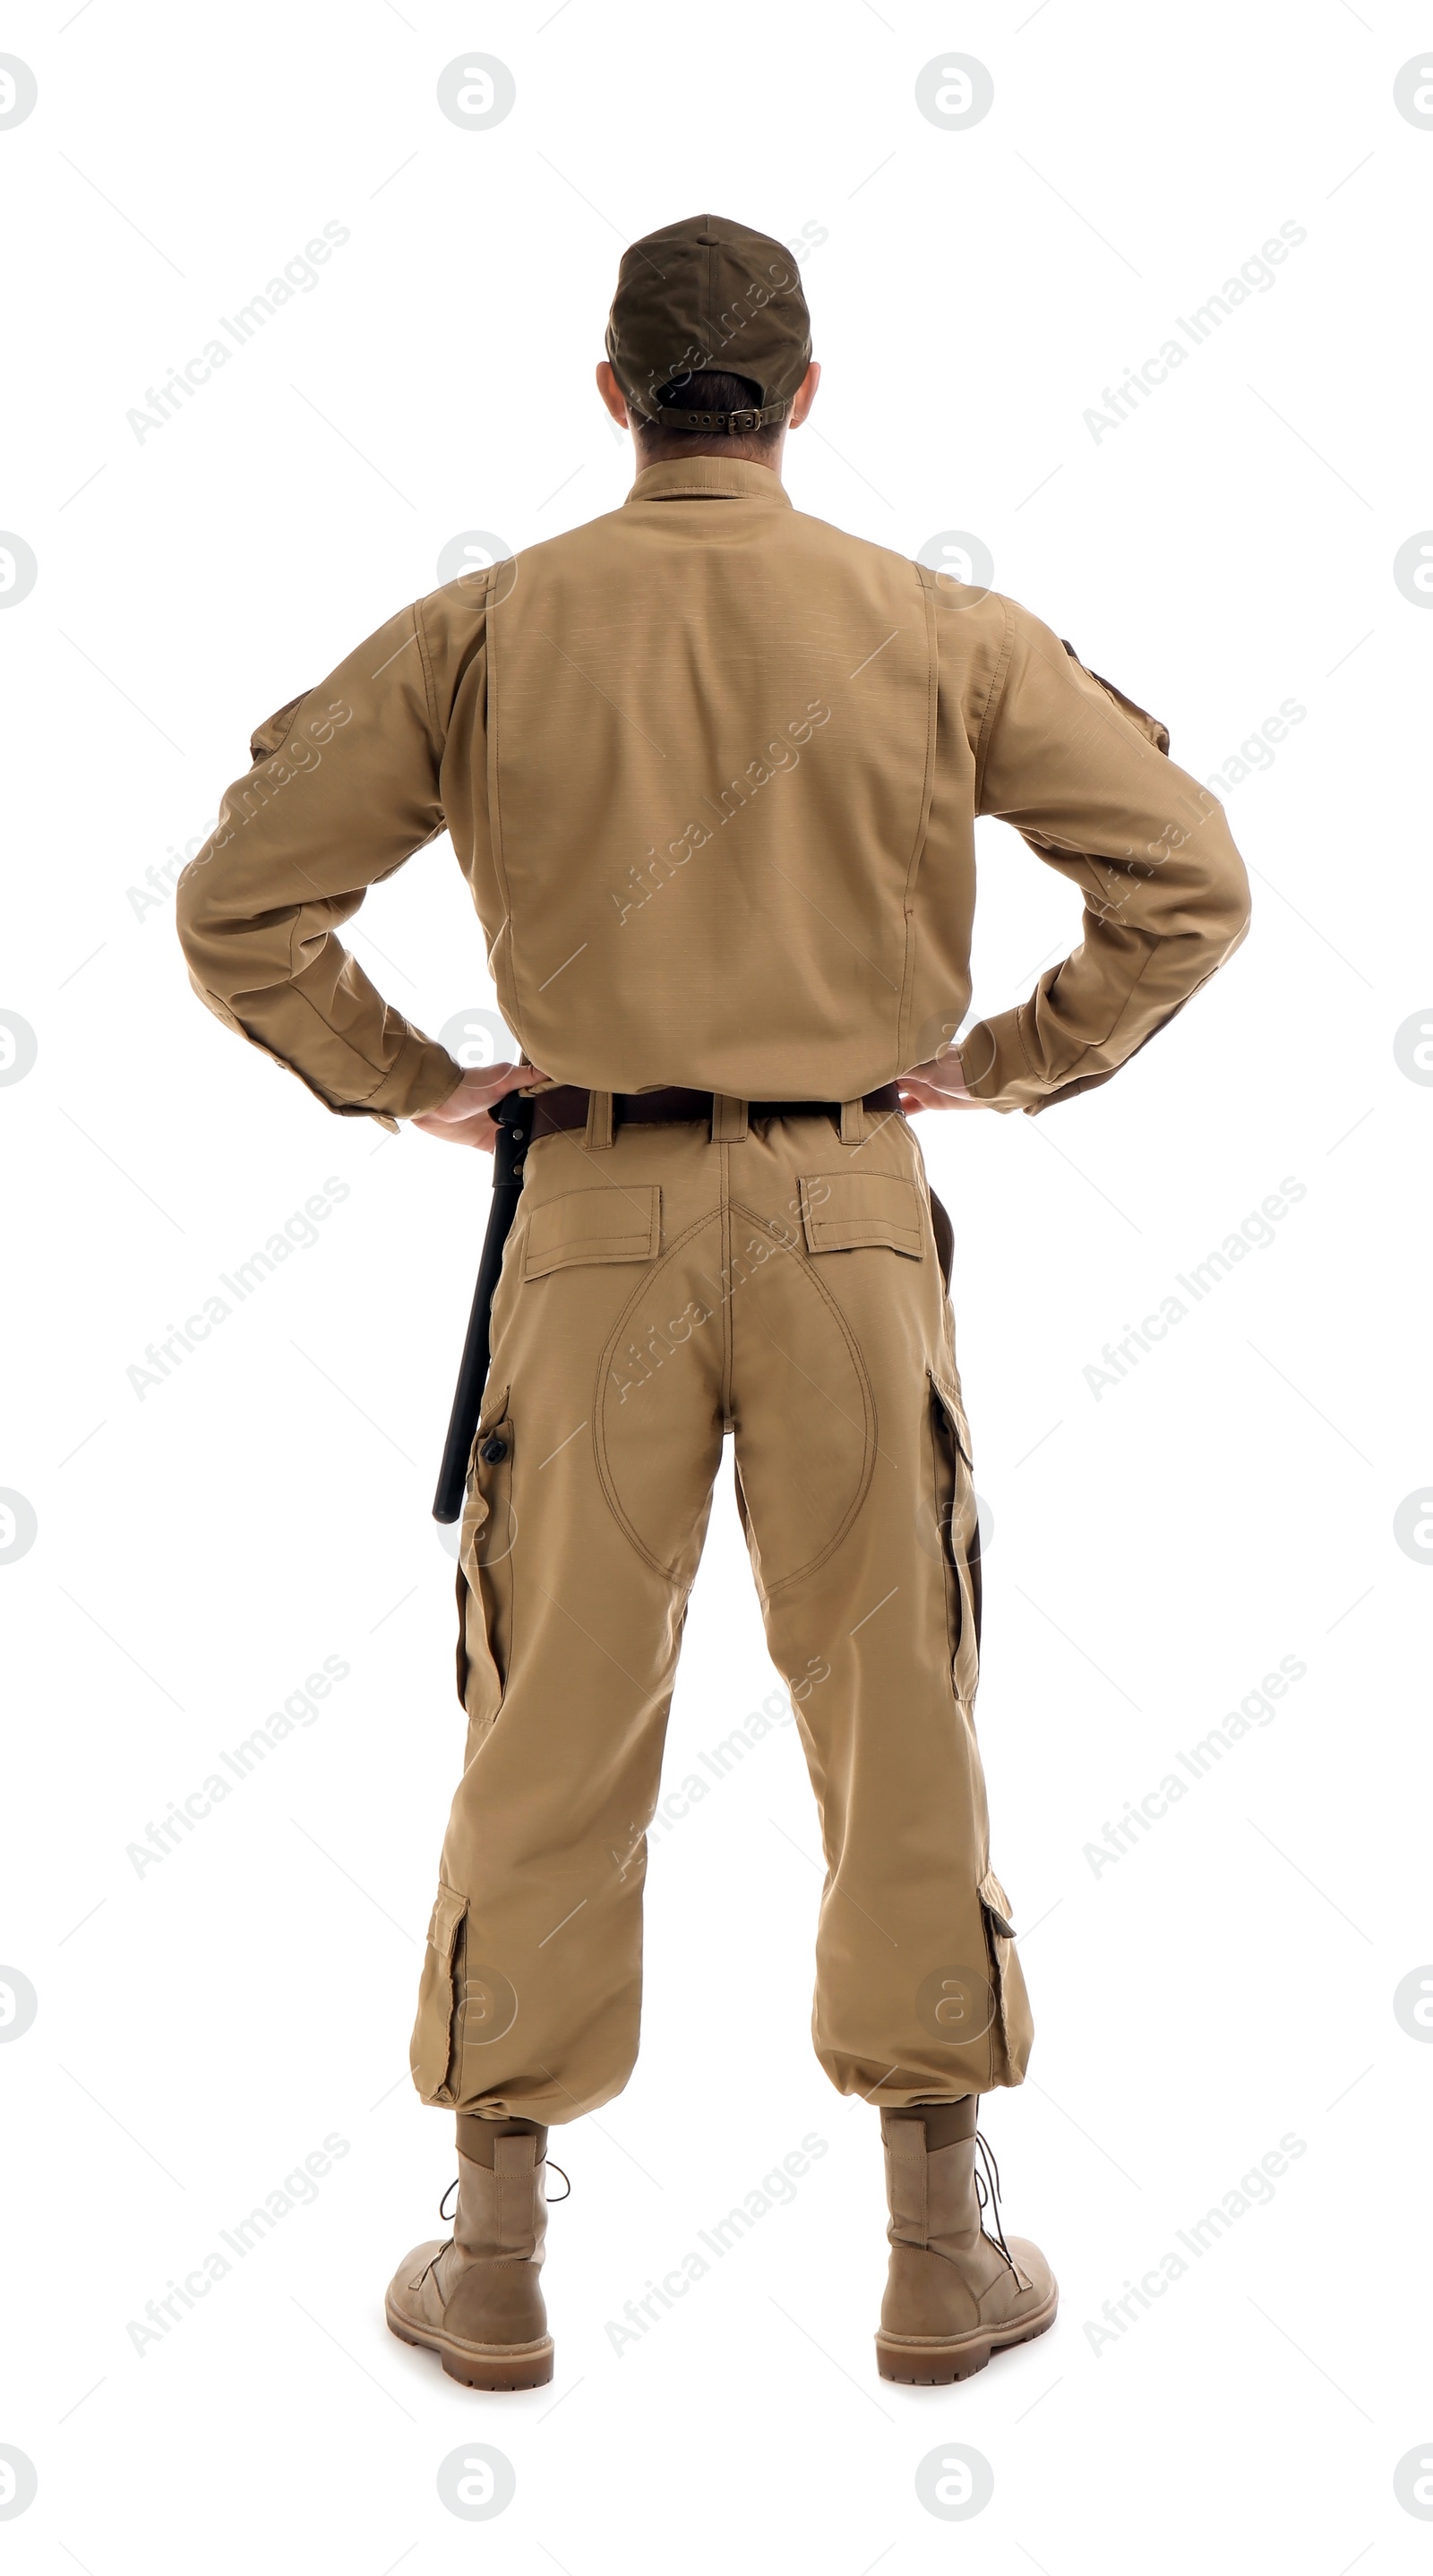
728 1120
599 1120
853 1122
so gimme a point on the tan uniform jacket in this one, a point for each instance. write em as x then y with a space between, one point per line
711 769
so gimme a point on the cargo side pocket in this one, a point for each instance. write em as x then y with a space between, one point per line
1012 2029
431 2052
486 1537
957 1521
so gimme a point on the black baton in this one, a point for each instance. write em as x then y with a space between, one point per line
513 1117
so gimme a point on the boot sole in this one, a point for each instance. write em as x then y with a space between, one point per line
933 2361
492 2366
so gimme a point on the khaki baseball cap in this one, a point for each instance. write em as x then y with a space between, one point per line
709 294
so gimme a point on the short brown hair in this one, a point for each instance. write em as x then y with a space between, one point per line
707 389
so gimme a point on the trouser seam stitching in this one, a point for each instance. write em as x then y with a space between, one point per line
599 1437
870 1427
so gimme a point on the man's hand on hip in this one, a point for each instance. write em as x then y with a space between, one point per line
462 1119
940 1084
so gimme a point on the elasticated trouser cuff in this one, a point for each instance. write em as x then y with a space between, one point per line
476 2137
945 2122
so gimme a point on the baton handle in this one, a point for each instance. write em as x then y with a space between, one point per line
513 1116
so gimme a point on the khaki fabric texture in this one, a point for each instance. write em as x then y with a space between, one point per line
653 1292
711 769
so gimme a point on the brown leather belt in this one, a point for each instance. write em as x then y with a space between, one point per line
566 1106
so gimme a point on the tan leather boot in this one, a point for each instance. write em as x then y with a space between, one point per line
955 2294
475 2298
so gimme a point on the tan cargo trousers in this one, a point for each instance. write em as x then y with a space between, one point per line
777 1277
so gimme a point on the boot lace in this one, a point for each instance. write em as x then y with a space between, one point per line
446 2214
987 2192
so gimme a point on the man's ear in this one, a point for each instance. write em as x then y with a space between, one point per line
611 393
805 395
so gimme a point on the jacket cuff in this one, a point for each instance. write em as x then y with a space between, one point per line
423 1076
996 1068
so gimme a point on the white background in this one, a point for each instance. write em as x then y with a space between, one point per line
1157 1547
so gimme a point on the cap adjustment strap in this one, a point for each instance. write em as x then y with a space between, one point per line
734 424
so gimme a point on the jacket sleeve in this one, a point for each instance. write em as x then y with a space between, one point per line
343 788
1085 776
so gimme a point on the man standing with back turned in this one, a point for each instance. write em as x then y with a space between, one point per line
711 769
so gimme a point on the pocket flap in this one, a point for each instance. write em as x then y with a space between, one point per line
1152 727
273 733
997 1904
844 1211
616 1223
448 1911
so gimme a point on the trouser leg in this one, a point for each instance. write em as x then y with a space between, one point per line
587 1502
853 1459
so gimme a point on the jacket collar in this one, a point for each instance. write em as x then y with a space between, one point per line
710 478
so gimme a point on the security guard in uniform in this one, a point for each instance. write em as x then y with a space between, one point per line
711 769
